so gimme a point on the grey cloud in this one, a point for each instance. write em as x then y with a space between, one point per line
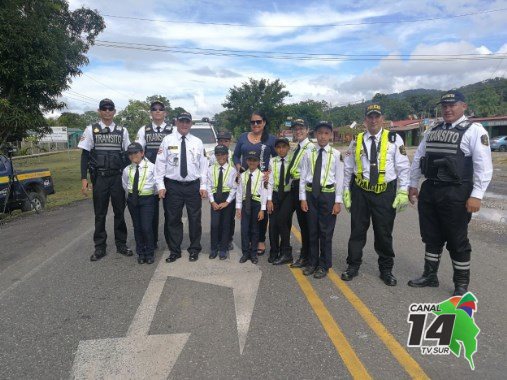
219 73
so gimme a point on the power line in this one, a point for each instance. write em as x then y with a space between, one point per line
308 26
105 85
298 56
79 100
75 93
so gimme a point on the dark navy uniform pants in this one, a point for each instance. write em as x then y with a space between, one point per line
142 217
302 218
321 223
250 227
280 223
221 224
105 188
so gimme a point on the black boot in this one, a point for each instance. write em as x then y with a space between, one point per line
429 276
461 280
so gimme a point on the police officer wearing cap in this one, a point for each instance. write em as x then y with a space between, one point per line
150 136
300 133
374 163
455 158
180 174
103 147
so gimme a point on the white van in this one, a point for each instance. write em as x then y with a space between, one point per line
206 132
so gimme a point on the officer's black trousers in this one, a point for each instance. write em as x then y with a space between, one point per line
250 229
280 223
443 218
156 216
221 224
178 195
321 223
142 219
302 218
105 188
366 206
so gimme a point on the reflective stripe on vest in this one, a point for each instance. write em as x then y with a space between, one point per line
216 170
294 171
327 169
256 187
276 175
362 182
141 182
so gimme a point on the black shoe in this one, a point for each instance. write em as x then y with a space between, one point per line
243 259
388 278
193 256
213 255
299 263
273 257
126 251
222 255
98 254
173 257
254 260
460 290
429 276
349 274
230 247
150 260
284 259
320 273
308 270
140 260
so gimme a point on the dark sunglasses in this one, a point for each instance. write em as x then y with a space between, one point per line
107 108
256 122
153 109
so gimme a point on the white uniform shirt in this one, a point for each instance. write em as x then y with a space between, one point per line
168 160
141 134
335 176
471 145
271 181
397 164
261 191
230 181
146 168
87 143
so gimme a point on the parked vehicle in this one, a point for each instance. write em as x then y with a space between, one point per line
206 132
23 189
499 143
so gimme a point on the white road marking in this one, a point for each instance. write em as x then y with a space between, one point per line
140 355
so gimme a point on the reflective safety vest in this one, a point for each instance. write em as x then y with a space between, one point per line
216 173
362 182
132 172
327 168
294 171
256 187
276 174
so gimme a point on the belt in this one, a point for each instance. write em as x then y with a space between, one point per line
441 183
309 185
108 173
182 183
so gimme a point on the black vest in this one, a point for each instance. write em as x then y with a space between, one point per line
107 153
444 160
153 140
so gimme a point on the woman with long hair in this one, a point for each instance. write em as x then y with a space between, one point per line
260 140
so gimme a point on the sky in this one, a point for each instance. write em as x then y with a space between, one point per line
388 46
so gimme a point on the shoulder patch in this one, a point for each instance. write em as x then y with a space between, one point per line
403 150
82 138
485 140
160 151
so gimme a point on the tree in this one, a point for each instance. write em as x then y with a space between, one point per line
72 120
310 110
134 115
42 46
485 102
256 95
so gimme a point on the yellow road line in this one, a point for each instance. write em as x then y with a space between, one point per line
347 353
399 353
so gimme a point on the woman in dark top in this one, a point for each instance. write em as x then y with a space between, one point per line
257 139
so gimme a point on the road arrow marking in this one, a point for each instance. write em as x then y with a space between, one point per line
140 355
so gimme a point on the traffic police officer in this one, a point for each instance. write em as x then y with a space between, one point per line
373 164
150 136
300 133
180 174
455 158
103 147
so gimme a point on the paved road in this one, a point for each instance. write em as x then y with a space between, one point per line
63 316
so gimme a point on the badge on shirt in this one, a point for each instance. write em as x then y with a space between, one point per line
403 150
96 130
485 140
173 148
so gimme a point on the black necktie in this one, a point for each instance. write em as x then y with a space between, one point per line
373 162
316 175
158 129
448 126
183 161
292 164
248 196
281 182
220 184
135 185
